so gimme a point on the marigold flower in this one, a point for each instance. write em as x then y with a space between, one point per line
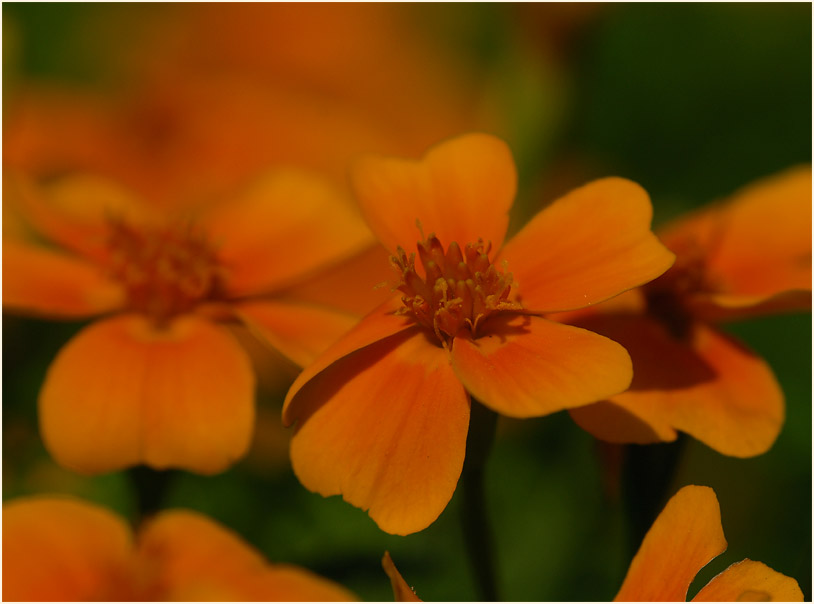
683 539
383 414
162 381
748 257
64 549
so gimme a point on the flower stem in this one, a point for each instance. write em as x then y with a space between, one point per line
151 488
647 476
476 528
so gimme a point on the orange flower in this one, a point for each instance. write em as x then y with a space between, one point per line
383 414
682 540
748 257
162 381
63 549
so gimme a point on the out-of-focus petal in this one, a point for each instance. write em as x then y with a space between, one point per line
300 331
750 581
461 190
75 212
123 392
685 536
401 591
586 247
281 229
378 325
60 549
524 366
285 583
709 386
385 428
356 285
40 282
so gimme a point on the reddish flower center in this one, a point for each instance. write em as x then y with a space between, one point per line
459 289
166 270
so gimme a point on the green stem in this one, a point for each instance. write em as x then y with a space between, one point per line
647 476
151 488
476 528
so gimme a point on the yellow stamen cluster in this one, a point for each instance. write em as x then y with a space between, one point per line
459 289
166 270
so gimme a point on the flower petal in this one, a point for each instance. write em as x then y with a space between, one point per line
51 284
300 331
586 247
461 190
526 366
285 226
685 536
757 245
287 583
123 392
74 212
401 591
708 386
750 581
378 325
61 549
385 428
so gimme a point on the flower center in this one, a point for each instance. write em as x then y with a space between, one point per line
459 289
166 270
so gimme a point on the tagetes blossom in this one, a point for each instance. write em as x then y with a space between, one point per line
383 414
64 549
683 539
747 257
159 379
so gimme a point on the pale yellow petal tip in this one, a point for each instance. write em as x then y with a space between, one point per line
401 591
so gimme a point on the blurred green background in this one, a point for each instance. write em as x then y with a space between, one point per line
690 100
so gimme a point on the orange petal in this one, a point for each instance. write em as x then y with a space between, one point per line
461 190
762 243
750 581
708 386
300 331
60 549
378 325
527 366
281 229
385 428
284 583
586 247
123 392
401 591
74 212
45 283
355 285
685 536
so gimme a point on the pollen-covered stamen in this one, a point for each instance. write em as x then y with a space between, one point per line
166 270
459 288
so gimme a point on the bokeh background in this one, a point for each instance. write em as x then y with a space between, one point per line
187 101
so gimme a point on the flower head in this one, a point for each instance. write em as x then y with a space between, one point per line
383 414
747 257
160 379
63 549
682 540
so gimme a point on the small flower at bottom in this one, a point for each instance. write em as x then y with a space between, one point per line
64 549
162 381
383 414
682 540
750 256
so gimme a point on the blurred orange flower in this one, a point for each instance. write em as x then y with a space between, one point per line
64 549
162 381
383 414
748 257
682 540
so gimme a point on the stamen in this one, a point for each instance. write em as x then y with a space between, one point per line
459 289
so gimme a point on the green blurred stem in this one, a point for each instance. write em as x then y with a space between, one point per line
150 487
476 527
